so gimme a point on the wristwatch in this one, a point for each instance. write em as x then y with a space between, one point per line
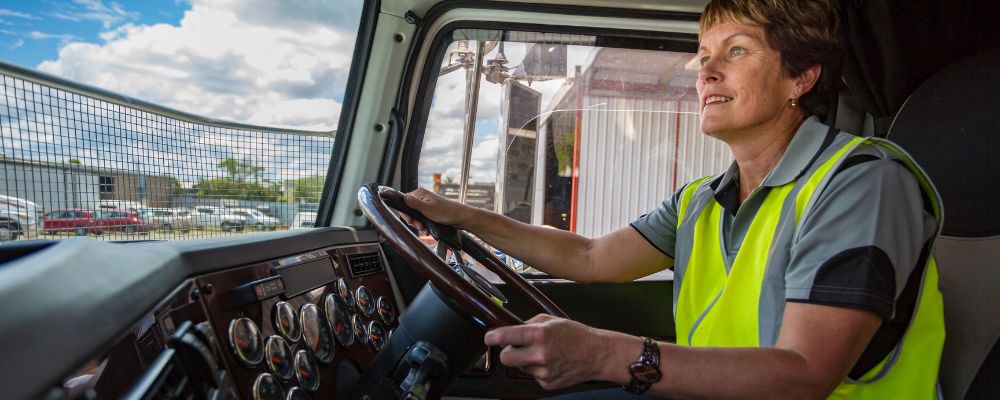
646 371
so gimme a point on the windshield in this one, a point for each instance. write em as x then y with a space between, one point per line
188 105
553 129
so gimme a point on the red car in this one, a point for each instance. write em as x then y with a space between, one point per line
84 221
121 221
78 220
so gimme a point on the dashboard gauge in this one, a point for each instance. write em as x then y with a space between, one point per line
316 333
336 312
366 302
286 322
360 332
385 310
376 335
279 357
296 393
245 341
345 292
306 370
267 387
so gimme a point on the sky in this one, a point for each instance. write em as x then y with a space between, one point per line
260 62
255 61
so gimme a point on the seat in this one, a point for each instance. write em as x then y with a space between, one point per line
951 127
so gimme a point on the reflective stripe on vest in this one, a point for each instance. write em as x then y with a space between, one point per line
716 308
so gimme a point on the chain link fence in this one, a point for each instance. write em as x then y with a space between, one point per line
81 161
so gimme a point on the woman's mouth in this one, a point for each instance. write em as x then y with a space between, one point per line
716 100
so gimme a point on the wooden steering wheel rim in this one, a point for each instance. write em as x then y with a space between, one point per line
464 294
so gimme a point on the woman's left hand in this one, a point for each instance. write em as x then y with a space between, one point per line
557 352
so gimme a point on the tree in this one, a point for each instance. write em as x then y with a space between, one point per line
241 183
240 170
306 189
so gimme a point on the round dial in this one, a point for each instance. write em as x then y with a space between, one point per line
279 357
316 333
336 312
366 302
266 387
385 310
286 322
360 332
306 370
245 341
376 335
296 393
345 292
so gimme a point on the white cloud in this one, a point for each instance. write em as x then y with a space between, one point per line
11 13
244 61
108 14
36 35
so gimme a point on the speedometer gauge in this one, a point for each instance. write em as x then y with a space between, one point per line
366 302
345 292
297 394
286 322
336 312
266 387
306 370
376 335
245 341
279 357
359 329
316 333
385 309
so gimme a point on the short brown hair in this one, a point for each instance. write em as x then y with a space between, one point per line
805 32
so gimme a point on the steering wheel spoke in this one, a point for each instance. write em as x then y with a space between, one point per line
466 288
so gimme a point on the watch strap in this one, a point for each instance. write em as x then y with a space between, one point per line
648 362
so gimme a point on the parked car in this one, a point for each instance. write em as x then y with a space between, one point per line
18 217
120 205
168 219
218 218
126 221
256 218
77 220
83 221
304 219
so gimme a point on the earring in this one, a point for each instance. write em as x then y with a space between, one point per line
794 103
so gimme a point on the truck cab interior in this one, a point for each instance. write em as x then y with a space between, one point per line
360 307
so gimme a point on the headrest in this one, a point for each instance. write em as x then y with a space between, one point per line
951 127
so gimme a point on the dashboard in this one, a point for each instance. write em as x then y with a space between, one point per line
304 314
302 323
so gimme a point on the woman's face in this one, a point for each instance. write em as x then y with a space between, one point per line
740 83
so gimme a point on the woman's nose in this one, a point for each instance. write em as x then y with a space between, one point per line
709 72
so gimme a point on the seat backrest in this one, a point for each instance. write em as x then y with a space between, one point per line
951 127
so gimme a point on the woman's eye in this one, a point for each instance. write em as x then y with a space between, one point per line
737 51
703 61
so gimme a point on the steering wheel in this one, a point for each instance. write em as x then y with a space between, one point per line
480 299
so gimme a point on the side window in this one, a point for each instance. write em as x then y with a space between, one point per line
560 131
172 105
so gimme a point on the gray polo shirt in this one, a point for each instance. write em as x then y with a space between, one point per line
857 246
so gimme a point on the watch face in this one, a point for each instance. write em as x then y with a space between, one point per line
644 372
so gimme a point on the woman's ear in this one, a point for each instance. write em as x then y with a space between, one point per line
806 80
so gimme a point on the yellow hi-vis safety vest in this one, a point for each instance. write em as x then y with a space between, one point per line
719 309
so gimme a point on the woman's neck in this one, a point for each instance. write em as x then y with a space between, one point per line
757 153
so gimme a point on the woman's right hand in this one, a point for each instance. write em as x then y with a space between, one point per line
435 207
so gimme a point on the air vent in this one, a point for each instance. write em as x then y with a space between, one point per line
364 264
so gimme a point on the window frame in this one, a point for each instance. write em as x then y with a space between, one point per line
427 78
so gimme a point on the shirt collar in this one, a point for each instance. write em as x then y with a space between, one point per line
805 143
